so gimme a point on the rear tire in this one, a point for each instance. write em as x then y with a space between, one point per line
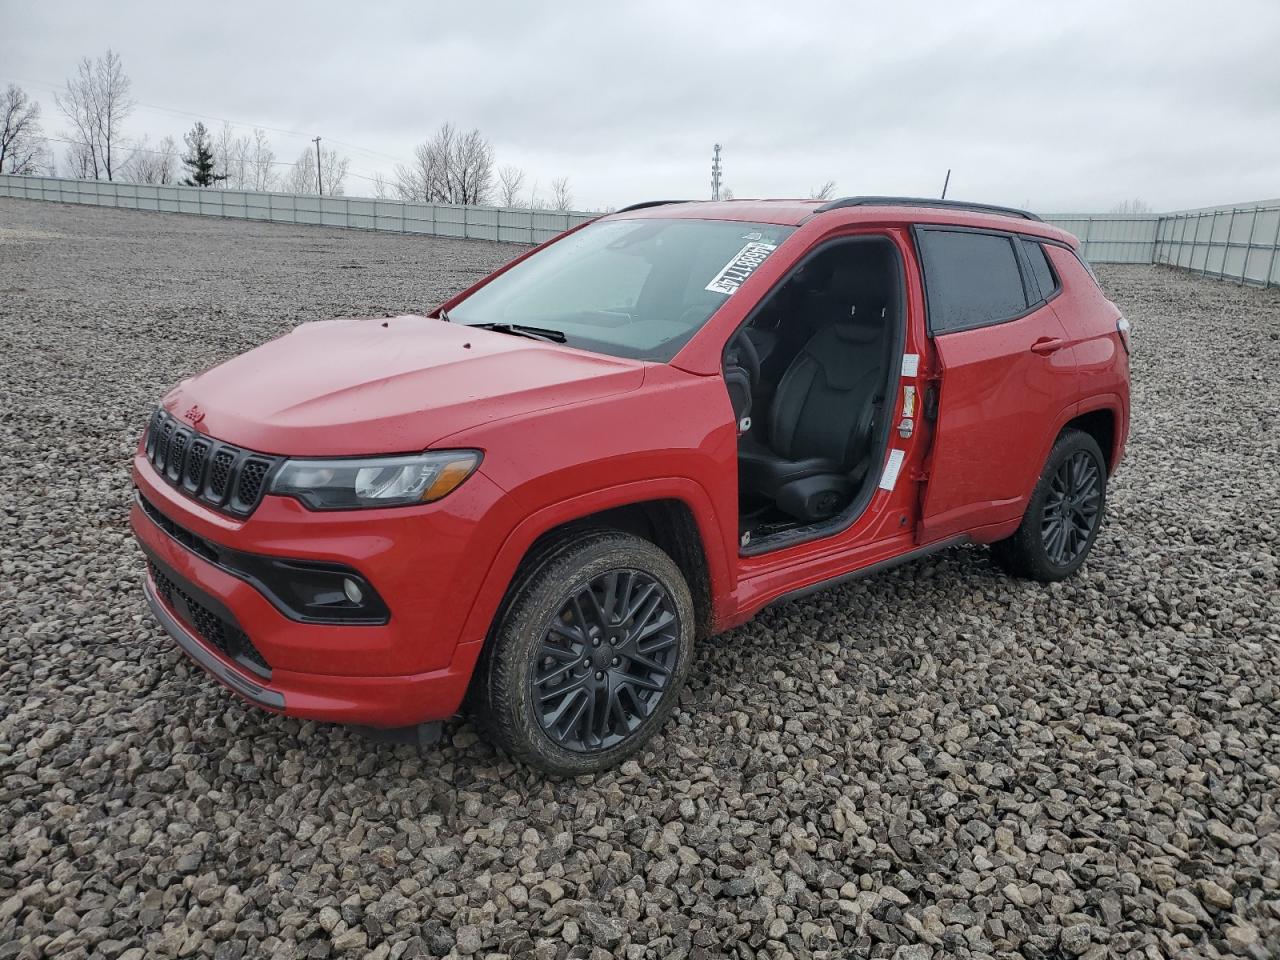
588 655
1064 514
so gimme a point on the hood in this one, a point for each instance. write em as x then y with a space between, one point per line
393 385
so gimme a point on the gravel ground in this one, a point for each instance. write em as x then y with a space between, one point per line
936 762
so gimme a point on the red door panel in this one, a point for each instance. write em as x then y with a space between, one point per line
1003 390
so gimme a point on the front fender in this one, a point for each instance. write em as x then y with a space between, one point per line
517 543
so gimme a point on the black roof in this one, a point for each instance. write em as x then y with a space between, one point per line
925 202
648 203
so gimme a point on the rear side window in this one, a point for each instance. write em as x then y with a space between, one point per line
971 279
1040 268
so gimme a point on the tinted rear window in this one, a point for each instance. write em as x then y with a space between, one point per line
971 279
1040 268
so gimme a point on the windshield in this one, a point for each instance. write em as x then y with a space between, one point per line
628 288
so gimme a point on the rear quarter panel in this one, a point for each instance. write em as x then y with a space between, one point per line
1103 363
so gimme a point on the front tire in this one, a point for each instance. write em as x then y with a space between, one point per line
588 655
1064 514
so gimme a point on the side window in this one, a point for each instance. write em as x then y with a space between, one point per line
971 279
1040 268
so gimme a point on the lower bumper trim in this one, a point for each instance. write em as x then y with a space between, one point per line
211 664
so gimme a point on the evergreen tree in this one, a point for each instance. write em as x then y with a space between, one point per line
200 158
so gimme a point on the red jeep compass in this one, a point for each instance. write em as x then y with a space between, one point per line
637 434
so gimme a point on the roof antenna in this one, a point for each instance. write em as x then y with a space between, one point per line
944 184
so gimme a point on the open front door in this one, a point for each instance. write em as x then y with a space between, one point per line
1006 379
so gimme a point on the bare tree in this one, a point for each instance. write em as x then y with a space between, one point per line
96 103
726 193
232 156
261 159
333 171
147 164
381 188
425 179
561 194
824 192
1134 207
451 167
510 183
22 144
80 161
472 169
301 177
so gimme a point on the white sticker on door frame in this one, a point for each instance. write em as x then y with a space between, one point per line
892 468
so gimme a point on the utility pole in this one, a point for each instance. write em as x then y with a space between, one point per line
945 183
319 182
715 173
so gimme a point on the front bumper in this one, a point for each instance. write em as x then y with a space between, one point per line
214 665
382 702
427 563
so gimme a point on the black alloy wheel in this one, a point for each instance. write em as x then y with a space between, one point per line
1064 514
589 653
1072 509
606 661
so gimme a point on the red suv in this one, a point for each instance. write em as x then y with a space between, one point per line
640 433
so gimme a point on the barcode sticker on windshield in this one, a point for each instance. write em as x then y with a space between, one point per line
891 469
743 264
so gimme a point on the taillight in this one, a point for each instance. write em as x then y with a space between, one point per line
1122 327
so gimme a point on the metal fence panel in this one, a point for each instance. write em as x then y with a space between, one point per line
1240 242
1233 243
1111 238
257 206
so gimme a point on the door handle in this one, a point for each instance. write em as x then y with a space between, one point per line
1047 345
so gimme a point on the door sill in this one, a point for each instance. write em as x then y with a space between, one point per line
870 569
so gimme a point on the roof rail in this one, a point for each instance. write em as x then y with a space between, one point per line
649 203
925 202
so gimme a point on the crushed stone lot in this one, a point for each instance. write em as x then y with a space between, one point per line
936 762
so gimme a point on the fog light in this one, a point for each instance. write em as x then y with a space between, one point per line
353 591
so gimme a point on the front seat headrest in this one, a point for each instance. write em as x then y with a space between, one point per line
864 322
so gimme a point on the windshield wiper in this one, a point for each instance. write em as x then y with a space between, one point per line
523 330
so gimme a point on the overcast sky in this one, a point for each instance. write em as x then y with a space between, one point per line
1061 107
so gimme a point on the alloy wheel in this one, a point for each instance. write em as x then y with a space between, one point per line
1072 508
606 660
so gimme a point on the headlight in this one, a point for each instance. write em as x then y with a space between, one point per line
374 481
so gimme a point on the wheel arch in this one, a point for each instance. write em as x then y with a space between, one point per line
675 515
1102 418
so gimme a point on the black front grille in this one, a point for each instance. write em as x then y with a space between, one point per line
197 459
196 544
228 478
251 476
216 629
221 473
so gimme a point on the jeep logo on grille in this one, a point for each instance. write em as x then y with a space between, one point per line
194 415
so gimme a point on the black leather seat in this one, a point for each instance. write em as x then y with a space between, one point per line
821 418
